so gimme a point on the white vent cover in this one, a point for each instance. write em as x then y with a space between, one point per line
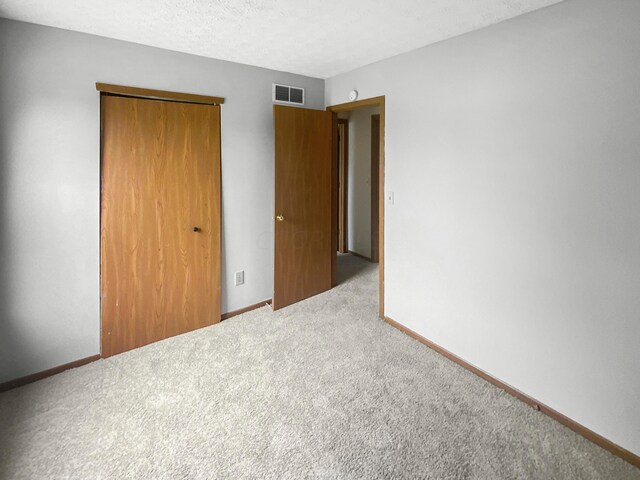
288 94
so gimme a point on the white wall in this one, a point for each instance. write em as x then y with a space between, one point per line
50 189
359 189
514 240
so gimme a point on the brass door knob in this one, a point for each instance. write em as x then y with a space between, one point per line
280 218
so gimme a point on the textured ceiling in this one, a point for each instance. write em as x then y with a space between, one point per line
319 38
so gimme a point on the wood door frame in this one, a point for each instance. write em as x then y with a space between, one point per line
347 107
343 173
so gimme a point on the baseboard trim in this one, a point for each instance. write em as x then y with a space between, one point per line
590 435
34 377
234 313
356 254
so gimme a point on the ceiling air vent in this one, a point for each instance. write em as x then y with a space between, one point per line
288 94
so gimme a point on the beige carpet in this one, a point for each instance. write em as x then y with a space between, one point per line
322 389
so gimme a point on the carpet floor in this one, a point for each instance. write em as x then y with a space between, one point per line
322 389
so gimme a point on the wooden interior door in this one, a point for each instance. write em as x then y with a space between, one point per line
305 234
160 223
375 187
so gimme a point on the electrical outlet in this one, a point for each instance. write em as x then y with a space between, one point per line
239 277
390 198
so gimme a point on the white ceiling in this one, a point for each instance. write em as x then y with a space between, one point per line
319 38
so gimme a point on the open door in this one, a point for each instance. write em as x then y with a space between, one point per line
343 181
375 187
305 235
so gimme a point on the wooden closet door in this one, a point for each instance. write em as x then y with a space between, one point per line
160 223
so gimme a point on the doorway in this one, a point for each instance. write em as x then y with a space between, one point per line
358 186
160 217
361 201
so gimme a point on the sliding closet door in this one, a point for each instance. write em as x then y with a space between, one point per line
160 224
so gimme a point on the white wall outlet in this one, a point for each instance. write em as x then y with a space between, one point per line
239 277
390 198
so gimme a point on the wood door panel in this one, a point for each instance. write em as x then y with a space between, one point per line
375 187
303 173
343 182
160 179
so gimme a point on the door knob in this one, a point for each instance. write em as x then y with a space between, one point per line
196 229
280 218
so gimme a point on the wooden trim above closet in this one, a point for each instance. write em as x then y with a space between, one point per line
158 94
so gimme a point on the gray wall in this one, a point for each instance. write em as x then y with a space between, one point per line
50 189
514 240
